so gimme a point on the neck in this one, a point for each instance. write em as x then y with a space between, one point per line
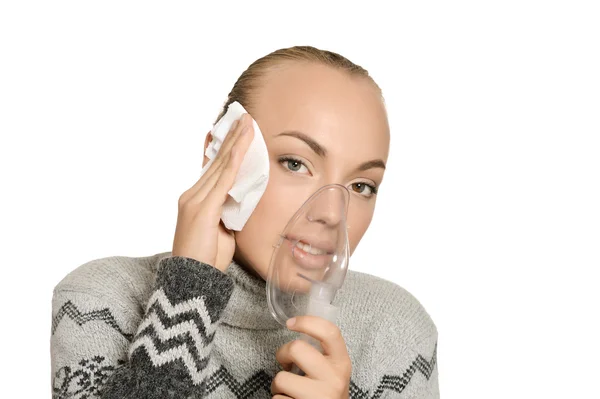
241 262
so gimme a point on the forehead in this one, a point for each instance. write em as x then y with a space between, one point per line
344 113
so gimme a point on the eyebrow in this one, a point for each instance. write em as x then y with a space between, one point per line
322 151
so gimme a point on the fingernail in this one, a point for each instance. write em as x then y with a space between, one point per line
291 322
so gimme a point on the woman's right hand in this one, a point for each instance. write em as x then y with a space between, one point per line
200 234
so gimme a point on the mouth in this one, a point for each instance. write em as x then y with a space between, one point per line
310 254
312 247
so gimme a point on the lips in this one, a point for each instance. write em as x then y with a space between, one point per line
324 245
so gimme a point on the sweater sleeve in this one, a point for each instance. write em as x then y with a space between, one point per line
167 355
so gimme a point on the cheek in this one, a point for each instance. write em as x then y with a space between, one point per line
260 230
278 204
267 217
275 208
359 219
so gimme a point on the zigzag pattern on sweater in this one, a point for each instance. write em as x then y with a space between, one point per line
170 332
259 380
77 382
69 309
398 383
169 326
185 332
262 380
194 304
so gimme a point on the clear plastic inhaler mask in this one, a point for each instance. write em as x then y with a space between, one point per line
310 259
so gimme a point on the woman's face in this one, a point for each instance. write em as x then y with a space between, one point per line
321 126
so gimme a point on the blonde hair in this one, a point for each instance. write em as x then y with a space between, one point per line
248 80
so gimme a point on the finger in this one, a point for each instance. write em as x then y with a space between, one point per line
223 152
326 332
209 184
219 156
233 137
222 155
292 385
305 356
228 175
220 182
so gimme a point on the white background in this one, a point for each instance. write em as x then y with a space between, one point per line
489 211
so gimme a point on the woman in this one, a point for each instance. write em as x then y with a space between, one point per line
194 322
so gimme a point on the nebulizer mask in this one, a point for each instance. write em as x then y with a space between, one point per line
310 260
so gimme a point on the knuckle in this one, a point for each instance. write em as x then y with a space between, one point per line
277 382
183 199
343 384
339 385
334 333
185 206
296 347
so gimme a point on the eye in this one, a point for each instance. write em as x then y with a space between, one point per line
292 164
364 189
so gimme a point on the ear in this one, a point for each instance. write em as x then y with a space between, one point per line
207 141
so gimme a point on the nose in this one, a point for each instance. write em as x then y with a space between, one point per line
329 206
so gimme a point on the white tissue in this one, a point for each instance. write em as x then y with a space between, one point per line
253 175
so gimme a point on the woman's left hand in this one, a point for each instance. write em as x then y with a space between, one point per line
327 374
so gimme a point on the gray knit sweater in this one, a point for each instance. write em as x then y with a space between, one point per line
166 326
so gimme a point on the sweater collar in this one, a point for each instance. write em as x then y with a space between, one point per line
247 306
